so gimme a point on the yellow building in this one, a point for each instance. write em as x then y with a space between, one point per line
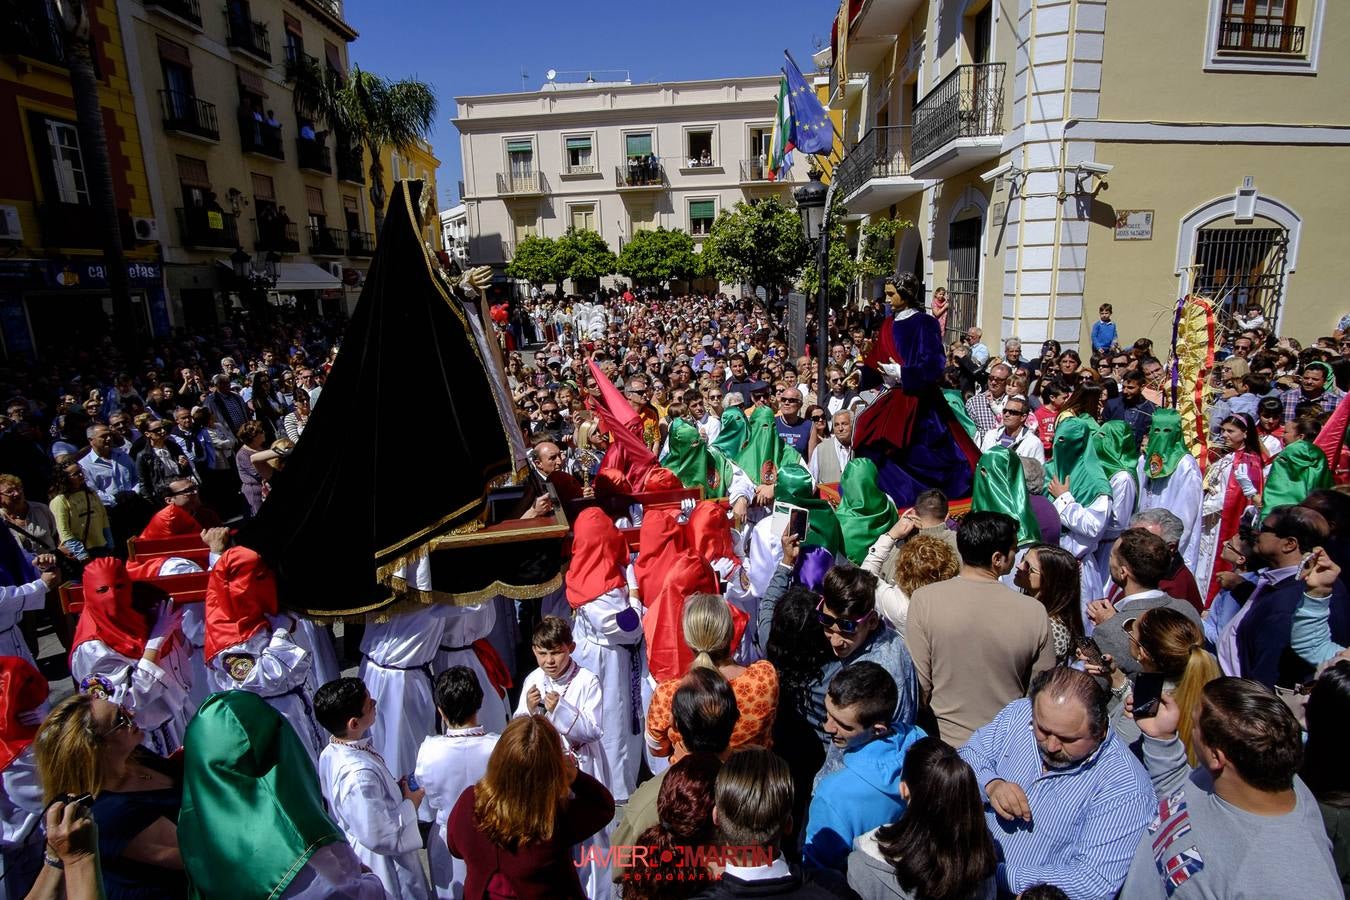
53 281
234 171
1055 155
418 162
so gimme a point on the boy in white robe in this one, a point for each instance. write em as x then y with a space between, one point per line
449 763
570 697
377 813
465 627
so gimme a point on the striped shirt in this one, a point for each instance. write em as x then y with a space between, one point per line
1085 820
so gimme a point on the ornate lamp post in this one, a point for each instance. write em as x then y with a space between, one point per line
813 203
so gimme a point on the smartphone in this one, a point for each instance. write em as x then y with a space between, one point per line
1148 688
412 782
790 519
1305 567
1091 653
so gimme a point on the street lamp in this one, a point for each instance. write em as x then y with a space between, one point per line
813 203
241 262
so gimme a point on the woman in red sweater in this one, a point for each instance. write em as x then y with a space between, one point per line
515 829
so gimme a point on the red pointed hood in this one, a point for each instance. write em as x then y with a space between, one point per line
108 614
668 656
710 532
22 689
599 556
241 593
661 539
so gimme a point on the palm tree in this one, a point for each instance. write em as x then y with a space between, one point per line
79 52
381 112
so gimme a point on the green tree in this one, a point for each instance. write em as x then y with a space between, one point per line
585 258
760 243
658 257
874 258
375 111
536 260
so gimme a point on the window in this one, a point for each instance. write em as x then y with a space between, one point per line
760 152
520 157
523 226
701 215
67 162
176 65
318 218
699 147
580 155
351 213
264 195
642 216
582 216
1279 36
637 144
1260 25
1242 266
334 60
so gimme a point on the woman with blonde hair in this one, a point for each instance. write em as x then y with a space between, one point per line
710 630
515 829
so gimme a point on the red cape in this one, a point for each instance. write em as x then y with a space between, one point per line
627 452
22 689
1235 503
660 542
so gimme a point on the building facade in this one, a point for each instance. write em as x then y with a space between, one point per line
53 280
233 170
613 158
418 161
1054 155
455 233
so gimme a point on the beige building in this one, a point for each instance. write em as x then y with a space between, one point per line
614 158
1054 155
419 161
231 166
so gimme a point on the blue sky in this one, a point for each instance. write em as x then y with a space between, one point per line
464 48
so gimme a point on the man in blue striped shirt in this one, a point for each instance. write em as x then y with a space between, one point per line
1066 801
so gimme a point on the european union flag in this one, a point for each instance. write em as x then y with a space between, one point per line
812 131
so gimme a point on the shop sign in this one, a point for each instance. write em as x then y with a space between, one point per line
85 275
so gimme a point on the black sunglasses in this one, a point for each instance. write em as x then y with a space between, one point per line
817 418
843 625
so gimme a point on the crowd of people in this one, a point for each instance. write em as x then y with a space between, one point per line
964 625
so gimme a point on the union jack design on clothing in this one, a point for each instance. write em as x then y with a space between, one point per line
1170 826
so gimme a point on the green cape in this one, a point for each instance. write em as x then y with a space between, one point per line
1166 446
252 814
731 438
1117 450
765 452
865 513
1075 460
794 486
1295 472
694 464
958 405
1001 486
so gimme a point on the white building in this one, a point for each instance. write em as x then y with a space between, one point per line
614 158
455 232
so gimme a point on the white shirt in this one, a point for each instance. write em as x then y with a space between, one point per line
446 766
842 453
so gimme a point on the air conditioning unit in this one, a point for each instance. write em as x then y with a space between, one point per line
10 227
335 269
146 229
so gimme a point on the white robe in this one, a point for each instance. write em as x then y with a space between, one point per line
1180 493
21 840
1082 530
158 693
15 600
333 872
397 673
1124 493
446 765
577 717
463 626
280 671
611 653
194 630
319 642
367 803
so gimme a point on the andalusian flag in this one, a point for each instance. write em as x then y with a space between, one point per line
780 158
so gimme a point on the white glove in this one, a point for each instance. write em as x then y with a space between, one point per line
166 625
890 374
724 567
686 507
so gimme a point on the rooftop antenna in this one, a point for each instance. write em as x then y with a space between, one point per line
524 79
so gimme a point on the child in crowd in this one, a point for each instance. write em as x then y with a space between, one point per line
1103 330
377 814
449 763
570 698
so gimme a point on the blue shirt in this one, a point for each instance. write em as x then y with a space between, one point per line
1086 820
798 436
109 477
1103 334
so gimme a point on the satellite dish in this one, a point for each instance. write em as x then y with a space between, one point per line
551 74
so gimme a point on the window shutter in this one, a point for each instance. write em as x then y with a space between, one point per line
524 146
292 24
330 53
702 209
578 143
251 83
314 199
192 172
174 53
638 145
262 187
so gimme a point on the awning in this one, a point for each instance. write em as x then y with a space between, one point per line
298 276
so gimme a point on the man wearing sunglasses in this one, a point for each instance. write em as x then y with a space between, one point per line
182 513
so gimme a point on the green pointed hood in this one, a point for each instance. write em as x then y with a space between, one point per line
1295 472
694 464
1117 449
252 813
1166 444
731 438
1075 460
1001 486
794 486
865 513
958 405
764 452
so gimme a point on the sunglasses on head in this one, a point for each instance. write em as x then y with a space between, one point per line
841 624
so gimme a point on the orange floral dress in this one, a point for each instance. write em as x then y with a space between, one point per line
756 691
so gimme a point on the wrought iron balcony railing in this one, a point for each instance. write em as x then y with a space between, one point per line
188 114
202 227
272 234
641 173
360 243
248 35
256 136
521 183
967 103
190 10
1265 37
314 156
882 153
325 241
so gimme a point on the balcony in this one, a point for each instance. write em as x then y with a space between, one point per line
360 243
350 164
256 136
248 35
296 59
959 123
189 11
518 184
1235 35
200 227
325 241
271 234
875 172
75 226
186 114
313 156
640 175
29 28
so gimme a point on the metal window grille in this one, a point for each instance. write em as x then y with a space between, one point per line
1237 266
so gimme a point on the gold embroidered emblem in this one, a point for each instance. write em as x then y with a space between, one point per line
240 666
